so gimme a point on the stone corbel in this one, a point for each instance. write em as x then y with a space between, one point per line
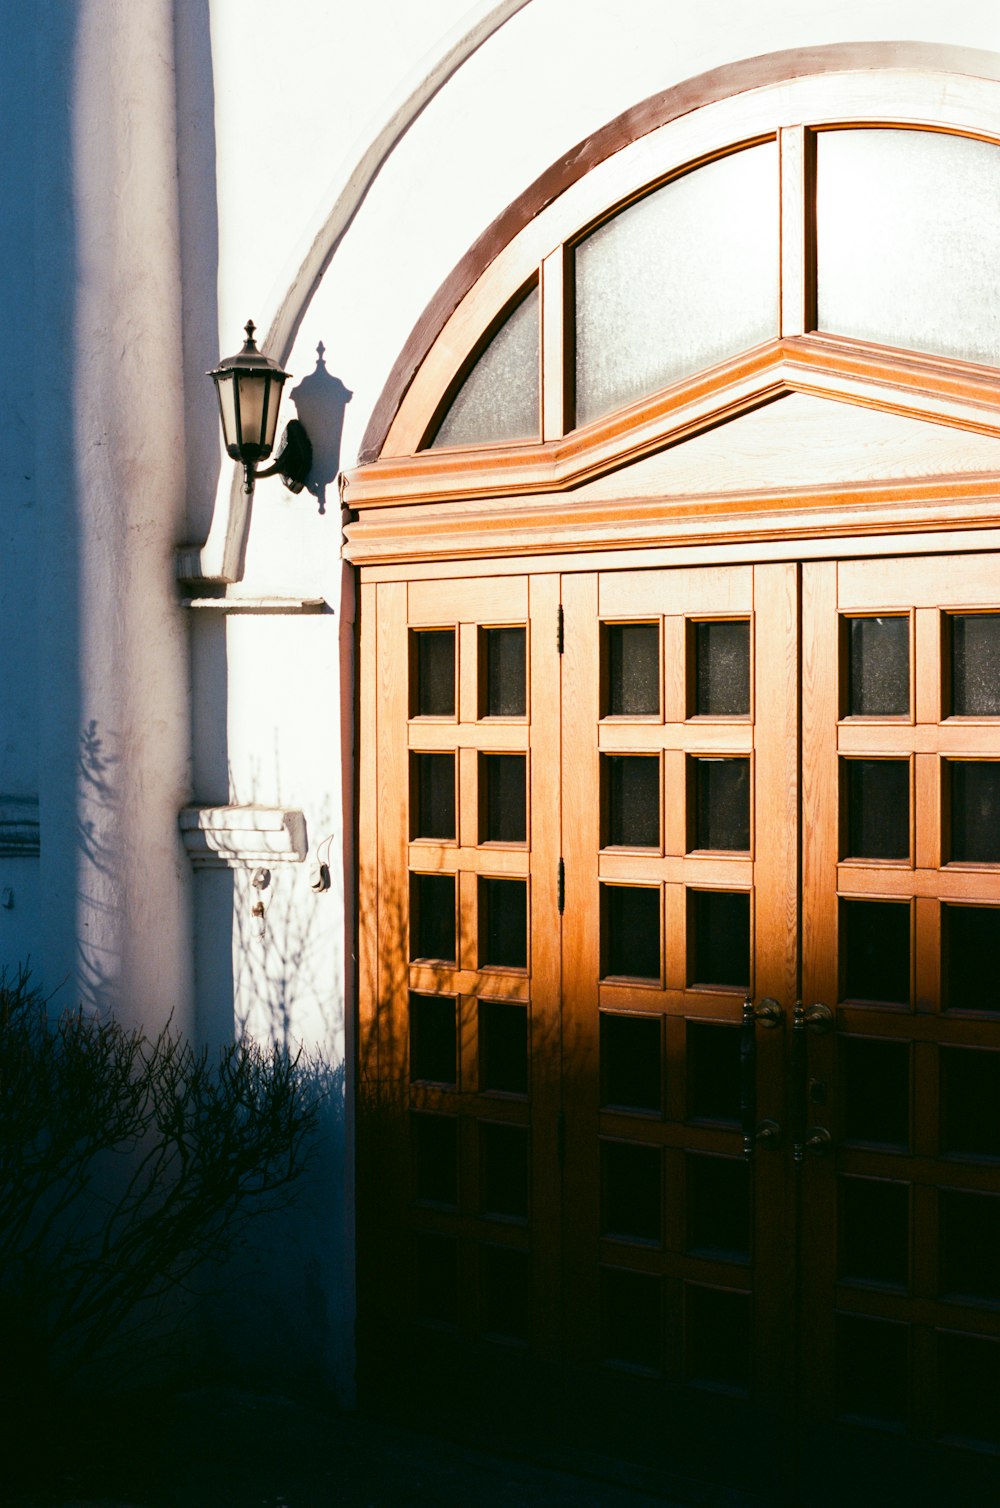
232 836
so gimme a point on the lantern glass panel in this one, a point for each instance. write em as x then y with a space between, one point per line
252 395
227 406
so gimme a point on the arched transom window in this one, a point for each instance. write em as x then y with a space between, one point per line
901 247
834 235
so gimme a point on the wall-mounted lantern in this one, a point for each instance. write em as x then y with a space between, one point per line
249 388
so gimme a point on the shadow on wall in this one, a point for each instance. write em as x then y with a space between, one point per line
199 240
320 402
292 1275
97 981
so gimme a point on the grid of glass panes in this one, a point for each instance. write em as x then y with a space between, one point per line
468 1006
676 840
918 929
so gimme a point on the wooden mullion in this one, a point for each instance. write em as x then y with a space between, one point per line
556 335
581 964
797 240
545 1008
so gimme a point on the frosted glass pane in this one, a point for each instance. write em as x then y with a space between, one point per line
499 399
681 279
908 240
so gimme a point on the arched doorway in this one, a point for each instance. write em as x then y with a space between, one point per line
680 676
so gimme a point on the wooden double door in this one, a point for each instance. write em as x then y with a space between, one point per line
680 1016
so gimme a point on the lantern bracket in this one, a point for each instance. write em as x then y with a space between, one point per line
293 458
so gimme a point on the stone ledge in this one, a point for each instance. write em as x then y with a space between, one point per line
20 832
231 836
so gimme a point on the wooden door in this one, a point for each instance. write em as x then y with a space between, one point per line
900 1090
680 1034
459 970
680 816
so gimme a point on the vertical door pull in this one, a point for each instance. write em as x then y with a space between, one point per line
816 1140
768 1013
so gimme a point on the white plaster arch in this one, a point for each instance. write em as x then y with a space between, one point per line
220 559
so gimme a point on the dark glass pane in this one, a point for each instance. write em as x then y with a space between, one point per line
435 668
878 808
630 1191
968 1388
630 1062
718 1206
717 1337
503 924
505 1292
503 1170
713 1072
630 932
435 1278
720 921
632 800
879 659
975 811
970 958
875 951
722 803
633 651
722 669
435 1158
434 796
506 811
970 1245
506 672
503 1046
433 1039
875 1091
874 1231
970 1094
631 1318
975 664
872 1367
432 917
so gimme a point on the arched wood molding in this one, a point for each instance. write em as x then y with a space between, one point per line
221 557
659 110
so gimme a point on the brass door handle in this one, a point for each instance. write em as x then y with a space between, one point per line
816 1140
767 1013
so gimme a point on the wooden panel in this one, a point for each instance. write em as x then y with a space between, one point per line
930 582
735 874
479 599
952 738
638 594
698 737
493 736
433 858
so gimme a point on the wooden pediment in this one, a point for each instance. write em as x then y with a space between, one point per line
807 434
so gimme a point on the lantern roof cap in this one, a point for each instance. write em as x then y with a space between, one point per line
249 359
